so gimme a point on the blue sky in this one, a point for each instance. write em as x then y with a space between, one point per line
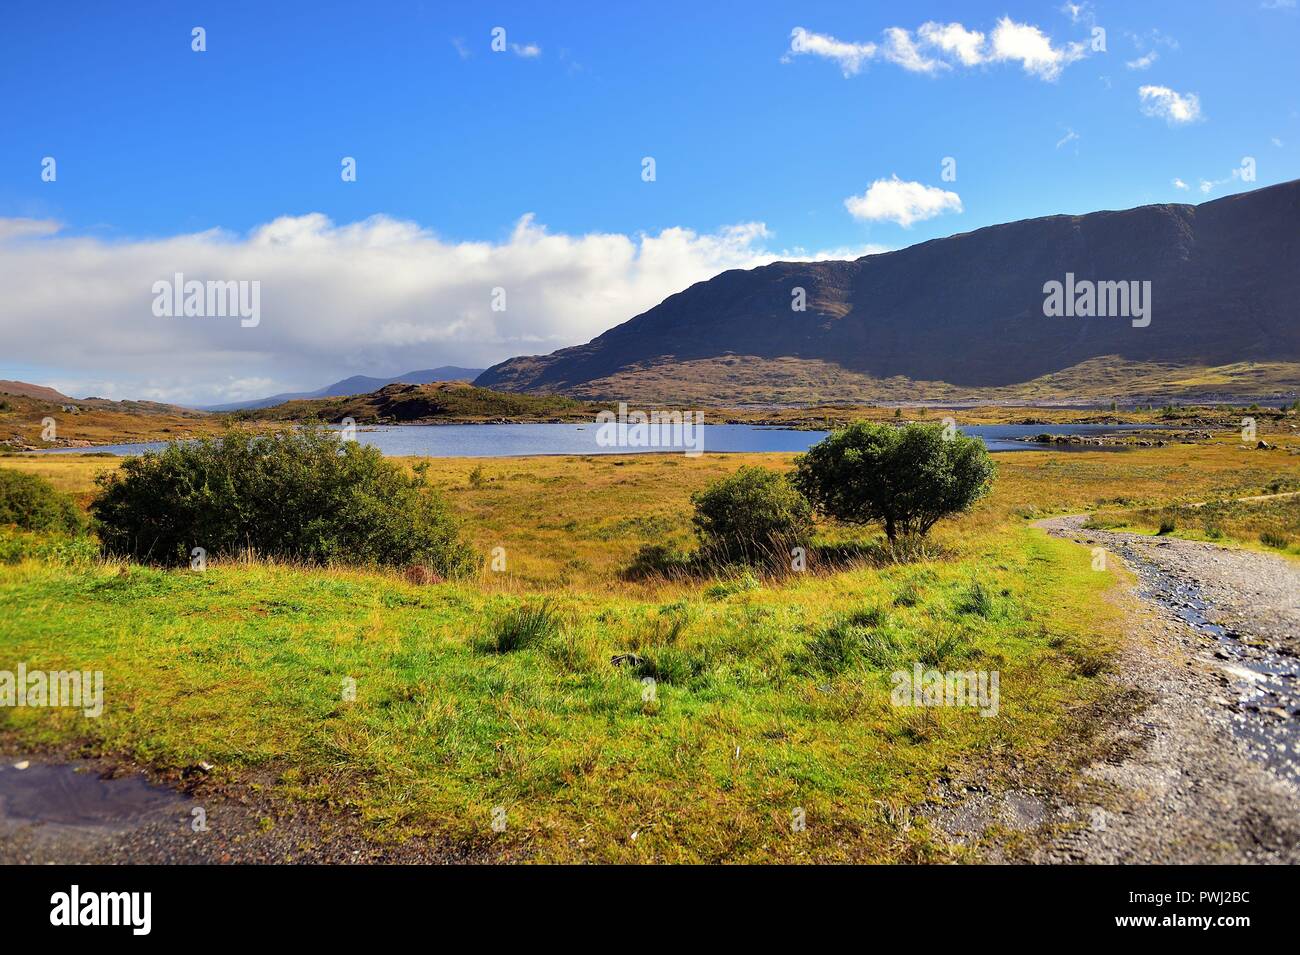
157 145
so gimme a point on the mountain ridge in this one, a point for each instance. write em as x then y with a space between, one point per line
967 310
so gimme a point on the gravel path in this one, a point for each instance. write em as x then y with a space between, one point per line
1209 771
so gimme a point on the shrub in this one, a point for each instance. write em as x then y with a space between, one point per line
31 503
752 515
1274 539
297 495
1167 526
906 479
522 627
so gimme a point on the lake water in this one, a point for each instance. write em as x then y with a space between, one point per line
510 440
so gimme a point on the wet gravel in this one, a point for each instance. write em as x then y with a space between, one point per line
73 811
1208 770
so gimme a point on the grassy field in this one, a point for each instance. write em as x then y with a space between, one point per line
758 710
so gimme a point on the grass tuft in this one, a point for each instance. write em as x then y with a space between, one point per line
1274 539
522 627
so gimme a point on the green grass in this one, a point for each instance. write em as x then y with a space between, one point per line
1271 523
244 667
768 694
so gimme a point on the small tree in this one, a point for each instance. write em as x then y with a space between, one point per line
906 479
751 515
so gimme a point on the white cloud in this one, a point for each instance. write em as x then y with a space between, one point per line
849 56
380 296
462 50
1029 46
1179 184
1276 142
943 46
1174 108
527 50
900 48
1069 137
955 40
1143 62
1209 185
26 228
1080 12
896 200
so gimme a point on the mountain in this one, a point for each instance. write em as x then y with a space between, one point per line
27 390
965 314
357 385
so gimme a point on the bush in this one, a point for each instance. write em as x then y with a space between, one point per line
32 504
1167 526
905 479
298 495
754 514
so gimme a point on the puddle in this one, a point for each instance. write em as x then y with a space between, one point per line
69 794
1265 683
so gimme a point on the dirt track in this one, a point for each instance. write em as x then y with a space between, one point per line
1209 771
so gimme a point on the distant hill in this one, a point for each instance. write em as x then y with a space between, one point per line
965 315
27 390
436 401
79 422
356 385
